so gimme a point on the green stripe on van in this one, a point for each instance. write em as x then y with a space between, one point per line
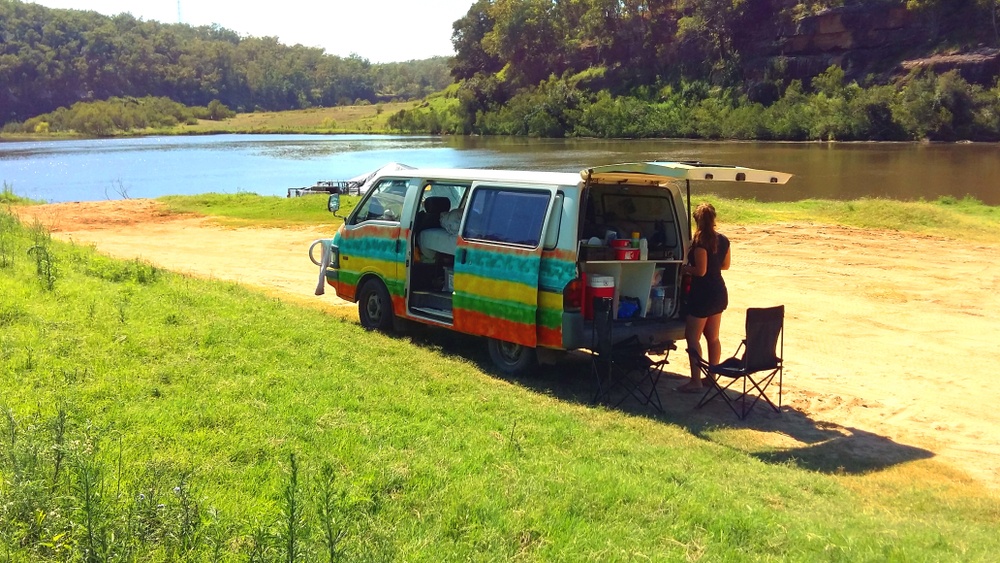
501 309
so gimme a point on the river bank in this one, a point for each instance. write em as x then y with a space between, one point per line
883 329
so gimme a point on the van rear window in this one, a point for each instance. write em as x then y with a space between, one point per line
506 216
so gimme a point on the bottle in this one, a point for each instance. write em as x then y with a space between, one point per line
635 240
643 249
656 296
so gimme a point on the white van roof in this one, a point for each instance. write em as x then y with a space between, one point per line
487 175
648 173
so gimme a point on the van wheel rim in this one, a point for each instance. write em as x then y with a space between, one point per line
510 352
374 308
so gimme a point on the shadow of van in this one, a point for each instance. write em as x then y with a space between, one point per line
791 437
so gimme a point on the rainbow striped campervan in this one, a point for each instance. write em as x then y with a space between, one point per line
508 254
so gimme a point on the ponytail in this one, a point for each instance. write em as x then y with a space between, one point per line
705 235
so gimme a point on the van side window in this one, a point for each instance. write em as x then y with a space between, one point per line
506 216
384 203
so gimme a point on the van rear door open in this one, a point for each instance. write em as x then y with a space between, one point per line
497 261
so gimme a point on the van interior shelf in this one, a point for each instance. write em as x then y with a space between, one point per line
635 278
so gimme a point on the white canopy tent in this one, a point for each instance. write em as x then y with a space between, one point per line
364 180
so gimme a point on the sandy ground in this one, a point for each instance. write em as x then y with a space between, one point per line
890 338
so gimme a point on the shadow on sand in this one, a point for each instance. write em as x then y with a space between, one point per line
790 437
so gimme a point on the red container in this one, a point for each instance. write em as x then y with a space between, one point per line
621 243
597 286
626 254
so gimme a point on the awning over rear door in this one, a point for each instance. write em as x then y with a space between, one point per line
657 173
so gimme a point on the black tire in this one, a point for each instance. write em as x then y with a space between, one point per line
510 358
375 306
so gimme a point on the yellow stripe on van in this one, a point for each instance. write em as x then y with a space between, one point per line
549 300
353 268
501 290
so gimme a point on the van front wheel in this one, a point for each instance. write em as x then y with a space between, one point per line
375 306
510 358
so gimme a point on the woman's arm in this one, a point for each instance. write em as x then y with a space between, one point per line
725 261
700 266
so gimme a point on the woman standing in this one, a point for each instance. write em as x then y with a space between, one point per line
708 298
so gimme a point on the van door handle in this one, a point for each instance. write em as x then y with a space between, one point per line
461 256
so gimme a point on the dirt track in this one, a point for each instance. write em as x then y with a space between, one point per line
889 337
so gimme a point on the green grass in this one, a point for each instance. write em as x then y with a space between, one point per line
965 218
8 197
367 118
246 209
356 119
149 416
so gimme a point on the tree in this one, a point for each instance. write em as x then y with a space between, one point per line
467 38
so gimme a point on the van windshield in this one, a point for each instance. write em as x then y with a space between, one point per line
383 203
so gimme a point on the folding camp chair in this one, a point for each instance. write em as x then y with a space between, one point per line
763 349
624 365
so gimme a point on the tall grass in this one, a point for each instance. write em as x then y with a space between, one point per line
204 422
9 197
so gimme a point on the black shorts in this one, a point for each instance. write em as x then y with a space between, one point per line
705 302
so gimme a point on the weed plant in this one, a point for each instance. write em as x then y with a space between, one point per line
210 423
9 197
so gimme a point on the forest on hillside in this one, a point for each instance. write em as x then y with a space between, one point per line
745 69
51 58
732 69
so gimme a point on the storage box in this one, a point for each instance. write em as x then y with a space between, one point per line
626 254
596 253
597 286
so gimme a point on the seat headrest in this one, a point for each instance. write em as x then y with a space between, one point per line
438 204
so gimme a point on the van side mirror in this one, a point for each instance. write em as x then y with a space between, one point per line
333 204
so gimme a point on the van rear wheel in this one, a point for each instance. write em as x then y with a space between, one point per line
375 306
510 358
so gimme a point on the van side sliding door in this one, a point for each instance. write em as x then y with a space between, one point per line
497 261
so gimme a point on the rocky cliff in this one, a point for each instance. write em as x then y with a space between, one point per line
883 40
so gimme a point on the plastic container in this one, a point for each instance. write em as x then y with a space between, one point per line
627 254
597 286
657 298
621 243
635 240
643 249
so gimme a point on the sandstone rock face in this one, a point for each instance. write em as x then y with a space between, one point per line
980 66
881 40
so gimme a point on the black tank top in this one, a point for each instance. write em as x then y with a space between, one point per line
713 273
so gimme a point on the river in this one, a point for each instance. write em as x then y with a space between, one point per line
91 170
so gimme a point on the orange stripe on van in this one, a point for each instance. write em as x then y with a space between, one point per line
549 337
472 322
